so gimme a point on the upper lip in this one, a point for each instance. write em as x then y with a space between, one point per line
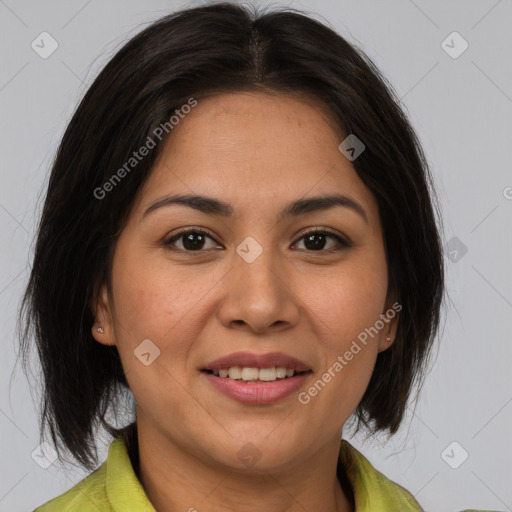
251 360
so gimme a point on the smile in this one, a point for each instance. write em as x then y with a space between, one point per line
256 386
255 374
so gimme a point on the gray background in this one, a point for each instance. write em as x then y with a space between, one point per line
461 108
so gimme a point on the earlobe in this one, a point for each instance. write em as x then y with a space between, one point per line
391 317
102 327
99 334
385 343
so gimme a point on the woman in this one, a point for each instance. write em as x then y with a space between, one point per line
239 232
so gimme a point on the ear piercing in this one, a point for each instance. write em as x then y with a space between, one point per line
100 329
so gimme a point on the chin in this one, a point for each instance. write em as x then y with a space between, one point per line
257 453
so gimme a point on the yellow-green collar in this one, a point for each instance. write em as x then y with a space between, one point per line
372 490
114 486
124 490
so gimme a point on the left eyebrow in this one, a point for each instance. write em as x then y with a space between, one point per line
212 206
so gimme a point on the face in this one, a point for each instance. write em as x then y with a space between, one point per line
201 284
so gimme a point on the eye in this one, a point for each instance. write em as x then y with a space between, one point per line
315 240
194 240
191 240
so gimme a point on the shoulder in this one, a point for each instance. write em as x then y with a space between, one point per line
372 489
88 494
113 486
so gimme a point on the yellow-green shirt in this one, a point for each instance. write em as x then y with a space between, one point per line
114 487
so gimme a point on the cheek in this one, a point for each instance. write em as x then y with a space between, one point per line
347 307
145 299
335 394
350 300
161 302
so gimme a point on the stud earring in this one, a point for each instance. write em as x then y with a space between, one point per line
100 329
388 339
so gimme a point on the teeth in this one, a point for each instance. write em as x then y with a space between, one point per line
235 372
282 372
247 373
250 374
267 374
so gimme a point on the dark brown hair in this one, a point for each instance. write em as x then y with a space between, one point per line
200 52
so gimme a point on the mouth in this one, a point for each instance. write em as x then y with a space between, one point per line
257 379
247 363
248 374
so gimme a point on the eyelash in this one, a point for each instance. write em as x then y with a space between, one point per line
342 242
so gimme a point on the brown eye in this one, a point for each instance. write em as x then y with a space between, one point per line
191 240
316 240
194 240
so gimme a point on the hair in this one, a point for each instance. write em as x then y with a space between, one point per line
198 53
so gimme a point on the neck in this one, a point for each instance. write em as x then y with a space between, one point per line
175 479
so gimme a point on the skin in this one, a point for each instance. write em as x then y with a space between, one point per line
258 152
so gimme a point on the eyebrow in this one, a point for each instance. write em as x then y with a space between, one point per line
211 206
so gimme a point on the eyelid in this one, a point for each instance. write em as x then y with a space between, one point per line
195 229
324 229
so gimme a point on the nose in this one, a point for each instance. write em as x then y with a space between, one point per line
260 296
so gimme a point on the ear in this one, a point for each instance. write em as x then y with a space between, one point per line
101 309
390 316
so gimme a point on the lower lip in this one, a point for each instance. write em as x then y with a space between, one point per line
257 393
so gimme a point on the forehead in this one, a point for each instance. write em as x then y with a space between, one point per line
259 121
256 148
